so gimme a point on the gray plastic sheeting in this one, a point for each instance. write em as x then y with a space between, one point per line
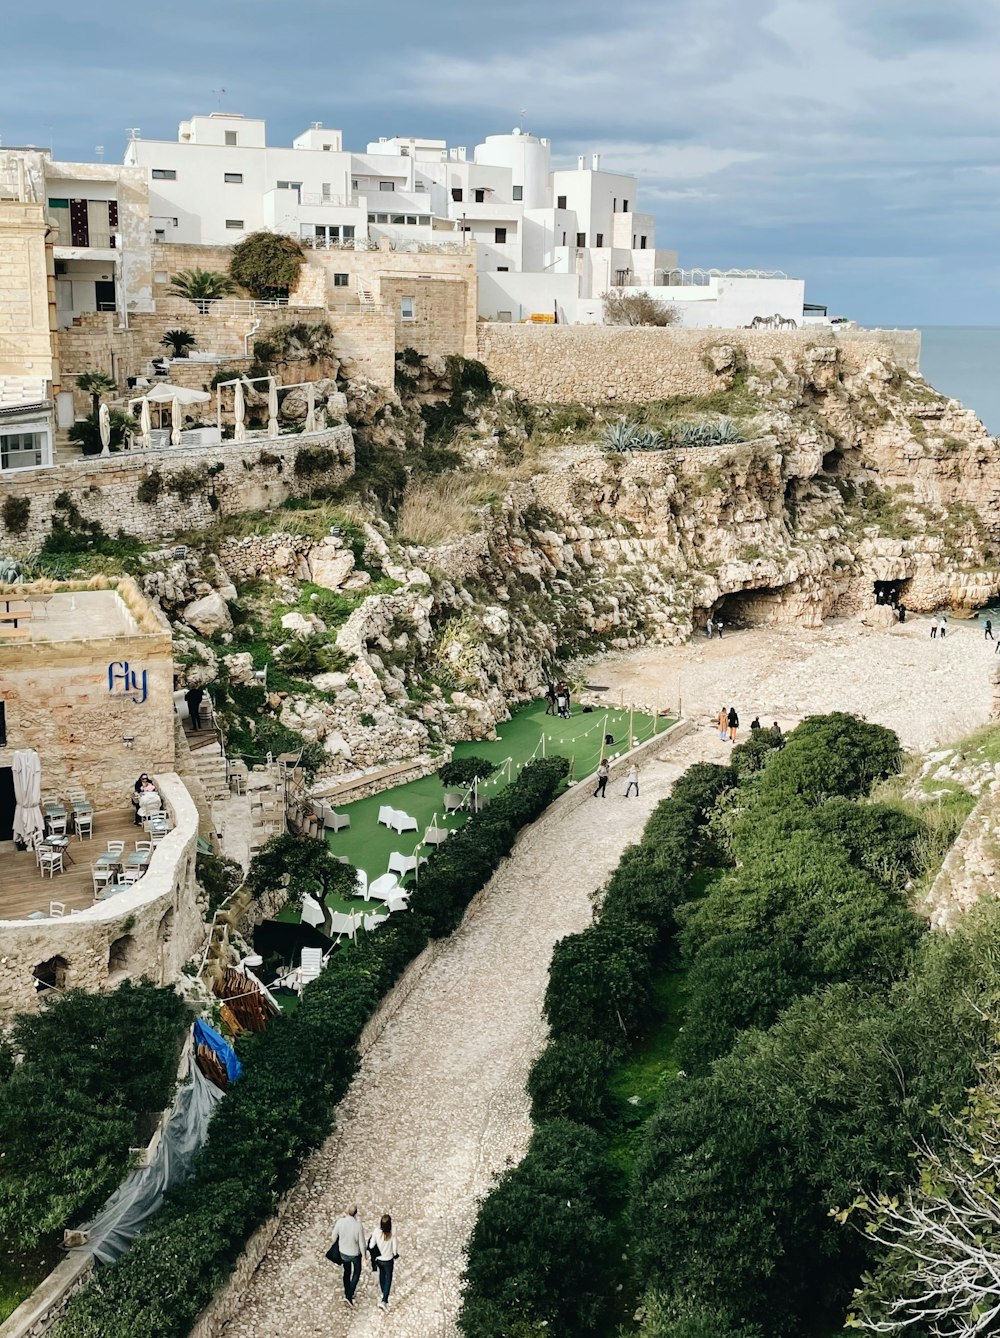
139 1196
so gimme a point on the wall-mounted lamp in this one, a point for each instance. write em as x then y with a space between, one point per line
128 740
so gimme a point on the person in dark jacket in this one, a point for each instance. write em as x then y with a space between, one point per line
734 723
602 779
193 697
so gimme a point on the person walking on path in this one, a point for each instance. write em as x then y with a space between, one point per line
733 721
901 612
934 627
723 722
349 1237
709 628
193 698
718 628
944 625
383 1245
989 630
550 699
602 779
632 780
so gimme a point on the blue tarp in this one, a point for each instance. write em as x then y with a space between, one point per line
206 1035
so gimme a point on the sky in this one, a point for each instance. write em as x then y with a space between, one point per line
853 143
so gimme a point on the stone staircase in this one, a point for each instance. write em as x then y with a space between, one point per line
209 762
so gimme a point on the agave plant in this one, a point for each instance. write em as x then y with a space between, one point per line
621 435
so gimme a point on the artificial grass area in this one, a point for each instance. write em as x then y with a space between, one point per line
368 846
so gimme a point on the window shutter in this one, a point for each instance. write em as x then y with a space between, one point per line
79 226
113 214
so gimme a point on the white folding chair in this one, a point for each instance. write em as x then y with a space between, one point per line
57 909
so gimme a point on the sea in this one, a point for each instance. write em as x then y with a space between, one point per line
964 361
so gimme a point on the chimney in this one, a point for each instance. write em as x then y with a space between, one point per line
596 162
581 162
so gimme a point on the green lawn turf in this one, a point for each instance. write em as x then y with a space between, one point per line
368 845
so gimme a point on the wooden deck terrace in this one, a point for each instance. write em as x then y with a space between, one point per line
22 887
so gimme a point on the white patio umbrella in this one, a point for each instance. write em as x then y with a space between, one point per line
104 426
145 426
239 413
272 407
166 394
310 423
175 421
29 826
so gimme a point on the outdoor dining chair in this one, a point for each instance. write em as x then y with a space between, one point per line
132 874
402 822
102 876
453 802
50 860
57 909
385 815
84 824
56 824
116 847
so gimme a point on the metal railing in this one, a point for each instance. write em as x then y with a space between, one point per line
696 278
340 201
225 306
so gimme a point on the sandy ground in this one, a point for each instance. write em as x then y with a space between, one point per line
438 1106
930 692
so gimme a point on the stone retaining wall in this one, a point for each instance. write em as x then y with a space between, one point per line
159 919
591 364
249 476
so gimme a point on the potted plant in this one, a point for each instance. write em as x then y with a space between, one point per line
179 342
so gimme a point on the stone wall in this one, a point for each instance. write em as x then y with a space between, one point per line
254 476
565 364
367 341
25 338
159 917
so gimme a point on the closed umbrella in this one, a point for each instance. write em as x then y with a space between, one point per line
175 422
29 826
104 425
272 407
239 413
310 423
145 426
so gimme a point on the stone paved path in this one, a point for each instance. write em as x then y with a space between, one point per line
438 1105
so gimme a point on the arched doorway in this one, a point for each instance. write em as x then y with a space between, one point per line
50 974
121 957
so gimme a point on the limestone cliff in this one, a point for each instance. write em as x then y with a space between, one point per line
854 471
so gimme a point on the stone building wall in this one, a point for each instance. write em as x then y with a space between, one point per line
25 336
58 700
159 917
254 476
590 364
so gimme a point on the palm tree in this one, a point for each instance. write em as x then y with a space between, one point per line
178 341
201 286
95 384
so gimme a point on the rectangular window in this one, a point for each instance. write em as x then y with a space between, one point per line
398 219
503 269
387 185
642 243
624 206
411 220
504 315
161 276
424 220
499 235
600 239
232 139
518 192
581 239
465 227
341 280
383 218
233 178
325 190
406 308
348 232
371 218
235 224
3 724
560 201
480 196
614 205
163 174
354 185
21 450
456 194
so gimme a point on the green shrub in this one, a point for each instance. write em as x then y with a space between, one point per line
86 432
600 983
266 264
313 460
185 483
460 772
16 512
148 491
219 877
517 1272
456 871
568 1080
94 1067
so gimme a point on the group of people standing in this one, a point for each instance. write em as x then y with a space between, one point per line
557 700
349 1245
604 773
939 626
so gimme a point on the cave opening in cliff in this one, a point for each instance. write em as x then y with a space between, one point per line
891 592
748 608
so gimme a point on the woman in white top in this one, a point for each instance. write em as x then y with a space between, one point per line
384 1247
632 780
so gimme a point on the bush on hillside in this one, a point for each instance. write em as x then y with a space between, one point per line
460 772
568 1080
302 865
543 1239
94 1067
266 264
600 984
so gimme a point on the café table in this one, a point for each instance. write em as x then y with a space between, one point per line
138 859
60 843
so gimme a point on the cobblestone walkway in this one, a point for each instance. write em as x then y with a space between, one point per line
438 1105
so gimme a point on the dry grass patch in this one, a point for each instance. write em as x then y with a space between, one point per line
437 509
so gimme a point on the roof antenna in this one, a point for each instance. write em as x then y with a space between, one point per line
99 150
220 93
